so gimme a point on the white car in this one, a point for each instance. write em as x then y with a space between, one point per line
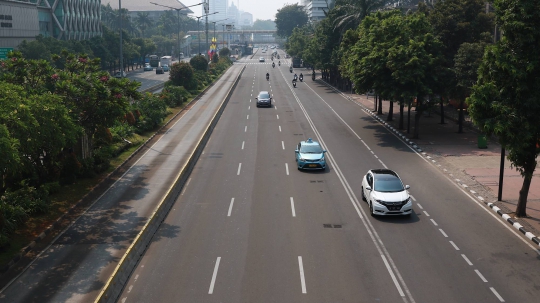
385 193
261 59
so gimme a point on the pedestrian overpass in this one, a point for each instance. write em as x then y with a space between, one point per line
237 36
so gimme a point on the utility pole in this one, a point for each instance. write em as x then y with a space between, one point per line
121 54
178 16
206 11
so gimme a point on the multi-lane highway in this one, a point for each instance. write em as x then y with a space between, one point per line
250 227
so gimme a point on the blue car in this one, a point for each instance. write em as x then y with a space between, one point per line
165 67
310 155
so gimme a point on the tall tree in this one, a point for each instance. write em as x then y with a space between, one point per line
505 101
288 17
352 12
297 42
143 21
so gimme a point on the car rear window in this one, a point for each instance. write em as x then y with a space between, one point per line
388 183
264 96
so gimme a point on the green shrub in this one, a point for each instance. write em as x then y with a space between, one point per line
153 111
199 63
175 95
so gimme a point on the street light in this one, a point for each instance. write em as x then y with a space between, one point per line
199 32
215 25
178 15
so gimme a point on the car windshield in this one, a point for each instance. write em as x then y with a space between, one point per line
264 96
311 149
388 183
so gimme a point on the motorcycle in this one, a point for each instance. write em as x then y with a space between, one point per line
267 77
294 84
273 65
279 63
301 78
290 69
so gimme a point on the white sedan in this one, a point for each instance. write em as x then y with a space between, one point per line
261 59
385 193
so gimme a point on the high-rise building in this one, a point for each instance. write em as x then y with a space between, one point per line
232 14
219 6
315 9
154 11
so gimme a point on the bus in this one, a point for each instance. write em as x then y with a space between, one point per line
165 60
154 60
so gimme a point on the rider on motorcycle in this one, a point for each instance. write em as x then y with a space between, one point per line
273 65
267 76
294 82
301 77
295 77
279 63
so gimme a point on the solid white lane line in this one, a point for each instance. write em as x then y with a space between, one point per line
497 294
480 275
453 244
230 207
245 129
302 278
443 233
243 144
393 276
282 145
280 128
211 289
287 168
239 167
425 212
466 259
292 207
277 116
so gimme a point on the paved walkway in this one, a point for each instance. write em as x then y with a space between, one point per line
475 169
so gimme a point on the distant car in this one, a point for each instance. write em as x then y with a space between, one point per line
264 99
310 155
147 67
385 193
165 67
120 75
159 70
261 59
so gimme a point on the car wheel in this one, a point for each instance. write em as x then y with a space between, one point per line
371 209
363 196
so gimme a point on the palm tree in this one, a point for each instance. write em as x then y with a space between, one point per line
354 11
143 21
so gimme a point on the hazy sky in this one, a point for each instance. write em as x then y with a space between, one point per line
260 9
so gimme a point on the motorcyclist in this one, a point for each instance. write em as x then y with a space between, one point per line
279 63
290 69
295 77
267 76
273 65
301 77
272 58
313 75
294 82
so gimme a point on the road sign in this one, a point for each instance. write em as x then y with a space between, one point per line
4 51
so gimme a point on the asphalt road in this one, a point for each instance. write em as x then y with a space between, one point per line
250 227
76 265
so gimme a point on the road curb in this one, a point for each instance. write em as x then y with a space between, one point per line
84 199
115 284
506 217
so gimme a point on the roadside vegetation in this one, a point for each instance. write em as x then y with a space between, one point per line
65 123
419 55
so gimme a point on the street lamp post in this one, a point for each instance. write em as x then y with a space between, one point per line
121 54
199 32
178 15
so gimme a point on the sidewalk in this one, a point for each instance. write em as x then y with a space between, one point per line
475 169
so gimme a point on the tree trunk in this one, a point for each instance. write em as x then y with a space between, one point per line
401 106
379 112
375 102
409 117
461 116
528 171
442 111
390 112
417 116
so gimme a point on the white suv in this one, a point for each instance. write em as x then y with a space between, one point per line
385 193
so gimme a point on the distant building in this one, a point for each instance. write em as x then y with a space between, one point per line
246 19
232 14
154 11
315 9
61 19
219 6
